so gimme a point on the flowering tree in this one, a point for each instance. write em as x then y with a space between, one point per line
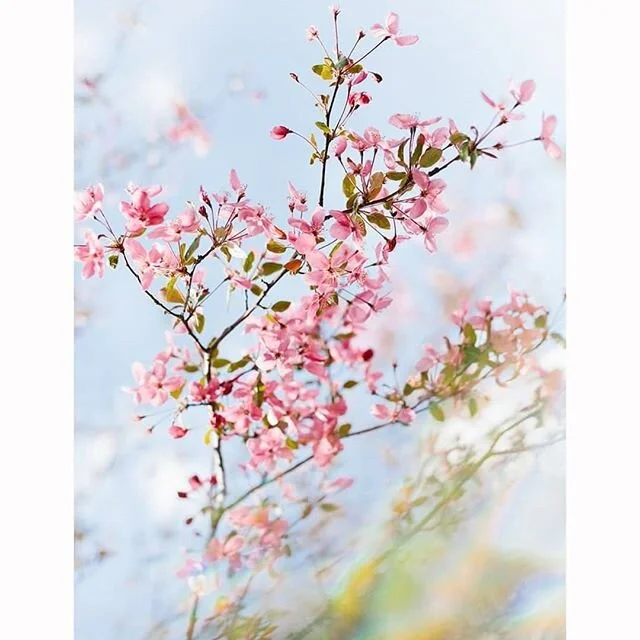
286 403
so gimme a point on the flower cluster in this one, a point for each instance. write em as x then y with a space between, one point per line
289 393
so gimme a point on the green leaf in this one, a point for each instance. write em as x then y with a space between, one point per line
473 157
470 334
281 305
113 260
199 322
344 429
248 262
473 407
191 368
256 290
175 394
417 152
361 225
540 322
375 184
559 339
464 151
292 444
407 390
275 247
335 247
308 508
379 220
396 176
317 69
219 363
193 247
436 411
401 149
171 294
234 366
226 252
458 138
329 507
430 157
269 268
323 127
348 185
349 384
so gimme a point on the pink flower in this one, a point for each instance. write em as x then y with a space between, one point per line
390 30
189 127
435 225
501 108
88 202
524 92
153 386
359 99
311 33
177 432
280 132
186 222
229 550
297 200
548 127
267 447
159 259
140 213
235 183
91 255
340 146
409 121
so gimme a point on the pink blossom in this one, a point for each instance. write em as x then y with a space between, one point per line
158 260
140 213
505 113
409 121
268 447
297 200
435 225
153 386
229 550
390 30
359 99
177 432
189 127
524 92
88 202
280 132
339 146
91 255
549 124
311 33
235 183
186 222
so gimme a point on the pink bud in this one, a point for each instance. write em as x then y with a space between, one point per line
280 132
195 483
177 432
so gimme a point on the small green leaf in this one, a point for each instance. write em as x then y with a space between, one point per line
324 128
430 157
559 339
473 407
248 262
349 384
191 368
458 138
348 185
199 322
540 322
219 363
317 69
470 334
193 247
344 429
473 157
113 260
269 268
175 394
256 290
329 507
308 508
379 220
407 390
275 247
171 294
436 411
375 184
292 444
396 176
234 366
281 305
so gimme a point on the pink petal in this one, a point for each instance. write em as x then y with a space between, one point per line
405 41
527 89
392 23
488 100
